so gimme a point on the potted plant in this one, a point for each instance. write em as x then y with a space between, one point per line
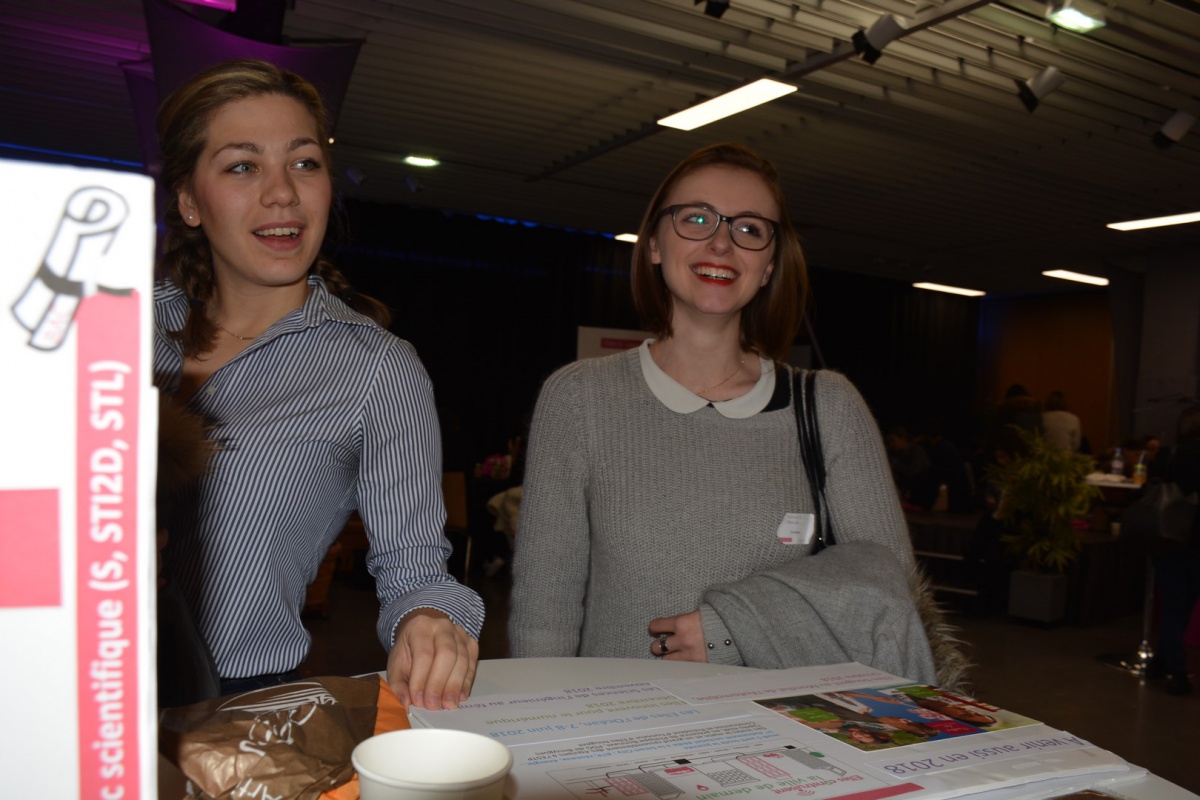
1043 494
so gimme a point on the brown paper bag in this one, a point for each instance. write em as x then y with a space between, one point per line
288 741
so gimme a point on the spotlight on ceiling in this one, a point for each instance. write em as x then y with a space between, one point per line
870 43
1035 89
714 8
1174 129
1075 15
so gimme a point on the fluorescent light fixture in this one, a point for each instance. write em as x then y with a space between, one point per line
626 237
1154 222
937 287
1078 277
1075 16
421 161
754 94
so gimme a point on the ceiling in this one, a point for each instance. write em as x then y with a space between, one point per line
921 166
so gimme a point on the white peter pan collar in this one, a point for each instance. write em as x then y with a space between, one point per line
682 400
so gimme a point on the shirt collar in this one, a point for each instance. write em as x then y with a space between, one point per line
682 400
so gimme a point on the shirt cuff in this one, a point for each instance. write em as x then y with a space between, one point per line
462 605
719 644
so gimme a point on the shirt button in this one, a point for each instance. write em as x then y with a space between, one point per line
210 391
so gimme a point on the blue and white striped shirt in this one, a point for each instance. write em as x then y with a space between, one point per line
324 413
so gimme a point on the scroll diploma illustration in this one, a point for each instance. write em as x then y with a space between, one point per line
72 265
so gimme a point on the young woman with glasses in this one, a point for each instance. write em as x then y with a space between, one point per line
666 510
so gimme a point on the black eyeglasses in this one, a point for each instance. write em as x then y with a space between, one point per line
698 223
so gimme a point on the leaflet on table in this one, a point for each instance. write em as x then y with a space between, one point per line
860 733
573 713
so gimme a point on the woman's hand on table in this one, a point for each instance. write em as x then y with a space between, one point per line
683 635
432 662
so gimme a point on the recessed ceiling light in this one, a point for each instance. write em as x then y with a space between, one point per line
421 161
1079 277
1154 222
937 287
754 94
626 237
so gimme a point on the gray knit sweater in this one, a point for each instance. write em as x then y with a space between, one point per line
632 511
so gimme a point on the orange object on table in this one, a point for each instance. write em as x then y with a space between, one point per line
391 715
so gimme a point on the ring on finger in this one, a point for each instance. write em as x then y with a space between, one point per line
662 645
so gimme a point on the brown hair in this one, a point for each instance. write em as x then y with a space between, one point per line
1055 401
772 318
182 125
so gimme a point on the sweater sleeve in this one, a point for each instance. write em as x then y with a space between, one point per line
550 564
850 603
864 508
864 504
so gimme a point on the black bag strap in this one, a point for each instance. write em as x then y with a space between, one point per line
804 404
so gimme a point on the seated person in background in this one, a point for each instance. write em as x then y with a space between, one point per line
1059 426
664 484
912 470
318 409
948 465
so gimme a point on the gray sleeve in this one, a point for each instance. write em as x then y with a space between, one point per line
550 564
864 504
849 603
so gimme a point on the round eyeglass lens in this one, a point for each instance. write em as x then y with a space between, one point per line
698 222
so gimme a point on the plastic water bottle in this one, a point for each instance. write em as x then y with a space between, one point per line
1117 467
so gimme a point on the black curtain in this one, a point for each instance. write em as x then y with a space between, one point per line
491 306
911 352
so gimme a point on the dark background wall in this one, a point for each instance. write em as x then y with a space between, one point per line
492 307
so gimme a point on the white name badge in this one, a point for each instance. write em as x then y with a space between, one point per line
796 528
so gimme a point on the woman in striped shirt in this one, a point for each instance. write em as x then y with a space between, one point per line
318 410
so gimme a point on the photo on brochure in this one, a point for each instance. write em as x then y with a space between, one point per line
878 719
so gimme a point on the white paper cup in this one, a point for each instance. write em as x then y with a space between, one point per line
431 764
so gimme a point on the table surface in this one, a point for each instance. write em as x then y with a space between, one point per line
1104 480
499 676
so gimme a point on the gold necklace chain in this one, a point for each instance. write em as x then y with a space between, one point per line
234 335
724 380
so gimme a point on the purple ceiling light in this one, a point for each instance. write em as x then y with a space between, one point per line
224 5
